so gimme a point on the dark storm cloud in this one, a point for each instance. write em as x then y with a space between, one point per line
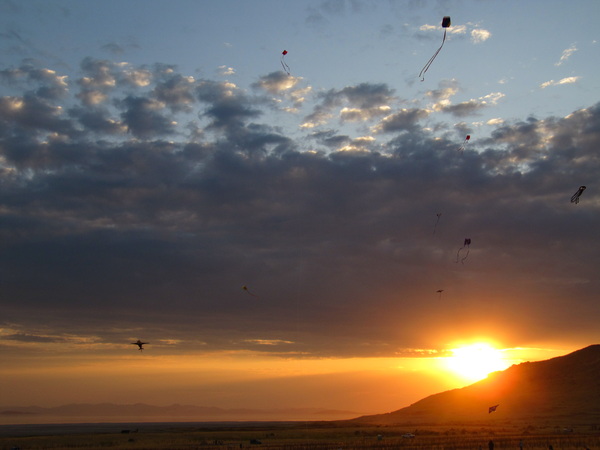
134 231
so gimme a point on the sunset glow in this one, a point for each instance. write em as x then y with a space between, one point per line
318 237
475 361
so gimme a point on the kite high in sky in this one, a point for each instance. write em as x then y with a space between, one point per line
464 144
437 221
140 344
466 246
283 63
445 24
245 288
576 195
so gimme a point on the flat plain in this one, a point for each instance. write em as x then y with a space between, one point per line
299 435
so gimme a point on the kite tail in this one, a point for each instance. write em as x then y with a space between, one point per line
426 67
462 261
458 253
286 68
575 198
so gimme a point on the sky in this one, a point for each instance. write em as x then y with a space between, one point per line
155 158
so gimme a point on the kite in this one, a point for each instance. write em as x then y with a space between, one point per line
283 63
491 409
439 291
464 144
576 195
436 222
245 288
445 24
140 344
466 245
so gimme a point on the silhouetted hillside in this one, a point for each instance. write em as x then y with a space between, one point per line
558 388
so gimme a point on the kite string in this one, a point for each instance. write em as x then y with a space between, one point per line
286 68
462 261
426 67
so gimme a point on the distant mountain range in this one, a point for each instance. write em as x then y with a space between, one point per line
563 389
141 411
566 388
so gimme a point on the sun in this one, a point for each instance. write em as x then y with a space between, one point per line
474 362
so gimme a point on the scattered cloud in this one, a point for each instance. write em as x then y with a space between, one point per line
129 186
566 54
480 35
567 80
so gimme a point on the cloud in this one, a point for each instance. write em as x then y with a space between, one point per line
404 120
469 107
276 82
567 80
566 54
332 227
224 70
362 102
480 35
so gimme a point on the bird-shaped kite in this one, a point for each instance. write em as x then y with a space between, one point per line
140 344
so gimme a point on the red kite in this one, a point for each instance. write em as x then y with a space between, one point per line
464 144
283 63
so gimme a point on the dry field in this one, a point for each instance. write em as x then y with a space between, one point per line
311 436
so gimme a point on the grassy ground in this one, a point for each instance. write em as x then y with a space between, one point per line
320 436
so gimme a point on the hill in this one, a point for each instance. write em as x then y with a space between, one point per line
566 387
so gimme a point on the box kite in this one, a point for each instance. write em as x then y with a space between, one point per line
445 24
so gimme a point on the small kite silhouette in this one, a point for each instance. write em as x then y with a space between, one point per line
466 245
491 409
245 288
439 291
576 195
140 344
464 144
437 221
283 63
445 24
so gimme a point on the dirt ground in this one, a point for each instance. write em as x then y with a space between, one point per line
300 436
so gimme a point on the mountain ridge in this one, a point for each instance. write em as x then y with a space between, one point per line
564 387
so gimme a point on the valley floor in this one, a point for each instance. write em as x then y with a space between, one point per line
298 436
